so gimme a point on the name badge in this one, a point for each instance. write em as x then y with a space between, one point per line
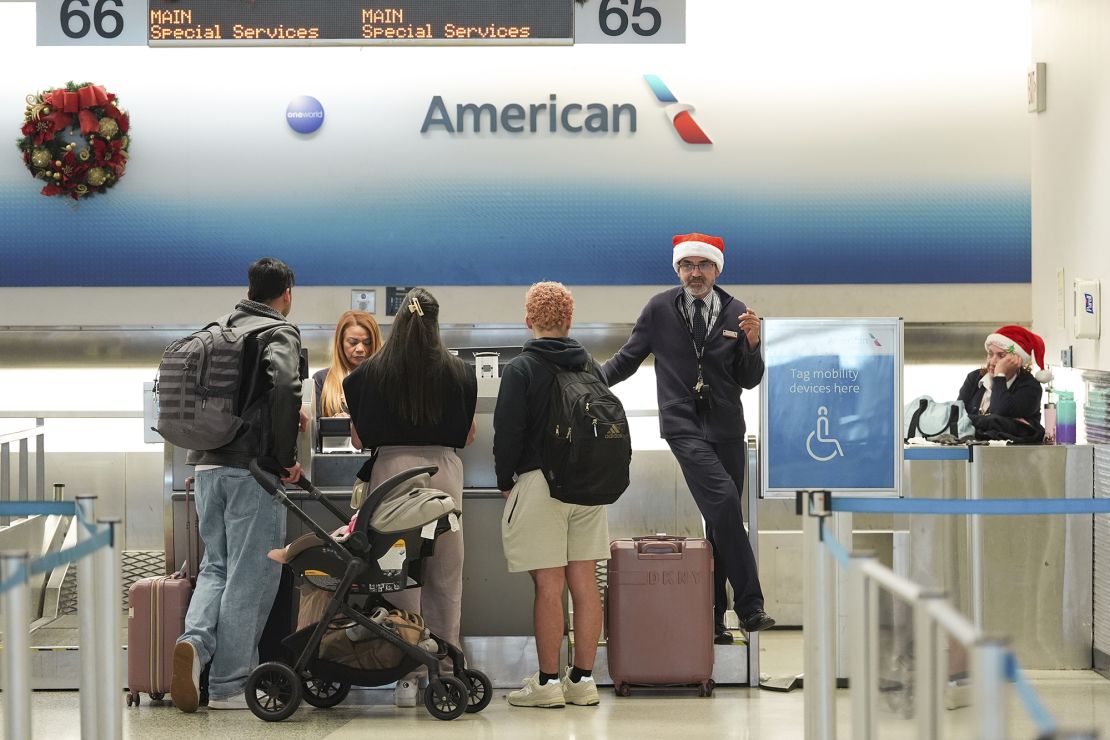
730 334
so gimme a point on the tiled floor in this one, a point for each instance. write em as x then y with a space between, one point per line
1079 699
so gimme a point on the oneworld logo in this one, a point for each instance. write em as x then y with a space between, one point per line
679 113
304 114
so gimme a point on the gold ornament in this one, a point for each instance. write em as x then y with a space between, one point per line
40 158
69 147
125 141
84 155
57 175
57 163
108 127
82 189
96 177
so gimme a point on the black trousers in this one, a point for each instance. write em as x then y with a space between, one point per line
714 471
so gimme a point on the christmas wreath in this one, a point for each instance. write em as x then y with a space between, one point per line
76 139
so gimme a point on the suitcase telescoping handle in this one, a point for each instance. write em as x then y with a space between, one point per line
659 546
192 537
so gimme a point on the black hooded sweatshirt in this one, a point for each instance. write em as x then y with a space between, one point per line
523 404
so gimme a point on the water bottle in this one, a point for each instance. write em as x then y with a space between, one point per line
1065 418
1049 418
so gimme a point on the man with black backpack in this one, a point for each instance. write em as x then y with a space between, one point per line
239 522
706 347
554 418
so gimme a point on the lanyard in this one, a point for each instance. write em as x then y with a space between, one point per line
699 353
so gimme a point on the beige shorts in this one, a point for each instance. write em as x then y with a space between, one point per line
538 531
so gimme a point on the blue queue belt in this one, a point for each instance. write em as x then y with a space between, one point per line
49 562
1040 715
963 507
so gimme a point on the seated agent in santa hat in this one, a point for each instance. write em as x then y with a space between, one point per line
706 347
1003 399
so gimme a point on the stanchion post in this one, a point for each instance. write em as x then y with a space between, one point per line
988 687
109 604
863 647
975 539
931 672
17 645
40 460
86 612
819 628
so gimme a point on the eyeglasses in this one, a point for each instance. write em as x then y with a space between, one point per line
699 266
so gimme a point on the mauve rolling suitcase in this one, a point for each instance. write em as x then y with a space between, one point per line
659 613
155 619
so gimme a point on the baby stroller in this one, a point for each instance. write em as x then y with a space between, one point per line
374 560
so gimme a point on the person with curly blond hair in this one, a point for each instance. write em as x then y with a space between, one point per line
556 542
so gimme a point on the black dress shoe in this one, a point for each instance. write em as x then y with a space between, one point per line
721 636
756 621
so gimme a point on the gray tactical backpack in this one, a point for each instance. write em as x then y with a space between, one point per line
197 391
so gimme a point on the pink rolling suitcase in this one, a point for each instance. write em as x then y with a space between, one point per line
659 613
155 619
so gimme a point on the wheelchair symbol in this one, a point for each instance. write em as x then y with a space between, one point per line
822 434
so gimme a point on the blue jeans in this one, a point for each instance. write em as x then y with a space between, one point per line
239 523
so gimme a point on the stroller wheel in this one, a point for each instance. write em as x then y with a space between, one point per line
446 697
324 694
273 691
480 690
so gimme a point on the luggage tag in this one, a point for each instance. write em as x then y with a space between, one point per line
429 530
394 558
730 334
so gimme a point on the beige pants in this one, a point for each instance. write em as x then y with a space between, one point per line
440 600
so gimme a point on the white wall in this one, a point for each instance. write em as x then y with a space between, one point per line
1071 168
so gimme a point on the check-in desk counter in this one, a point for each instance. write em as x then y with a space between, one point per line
1036 574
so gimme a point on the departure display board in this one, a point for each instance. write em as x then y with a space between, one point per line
359 22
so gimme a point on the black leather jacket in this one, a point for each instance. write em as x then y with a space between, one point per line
270 393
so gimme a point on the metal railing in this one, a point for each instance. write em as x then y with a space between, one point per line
993 665
23 437
97 554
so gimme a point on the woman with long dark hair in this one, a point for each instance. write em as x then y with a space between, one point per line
414 402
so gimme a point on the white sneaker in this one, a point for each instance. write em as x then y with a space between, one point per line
404 694
235 701
548 696
583 693
185 680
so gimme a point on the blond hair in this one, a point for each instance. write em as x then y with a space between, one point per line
549 305
331 396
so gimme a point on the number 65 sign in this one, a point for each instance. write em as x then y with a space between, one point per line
91 22
630 22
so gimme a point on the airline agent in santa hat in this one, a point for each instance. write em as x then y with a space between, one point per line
1007 386
706 347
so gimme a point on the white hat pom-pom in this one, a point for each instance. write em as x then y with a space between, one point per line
1043 375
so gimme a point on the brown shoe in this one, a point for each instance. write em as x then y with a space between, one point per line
185 682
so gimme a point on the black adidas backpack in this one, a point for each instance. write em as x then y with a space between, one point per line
198 383
587 449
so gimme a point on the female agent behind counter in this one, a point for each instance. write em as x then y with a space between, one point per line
1003 399
357 337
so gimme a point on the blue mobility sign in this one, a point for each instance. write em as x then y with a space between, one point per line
831 401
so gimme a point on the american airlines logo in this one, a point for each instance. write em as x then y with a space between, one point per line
681 114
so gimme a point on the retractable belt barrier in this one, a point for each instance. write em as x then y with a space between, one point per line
1011 671
964 507
52 560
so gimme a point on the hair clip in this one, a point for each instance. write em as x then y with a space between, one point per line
414 307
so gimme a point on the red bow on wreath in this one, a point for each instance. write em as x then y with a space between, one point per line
66 103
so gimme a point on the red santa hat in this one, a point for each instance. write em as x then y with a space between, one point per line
1023 343
711 248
